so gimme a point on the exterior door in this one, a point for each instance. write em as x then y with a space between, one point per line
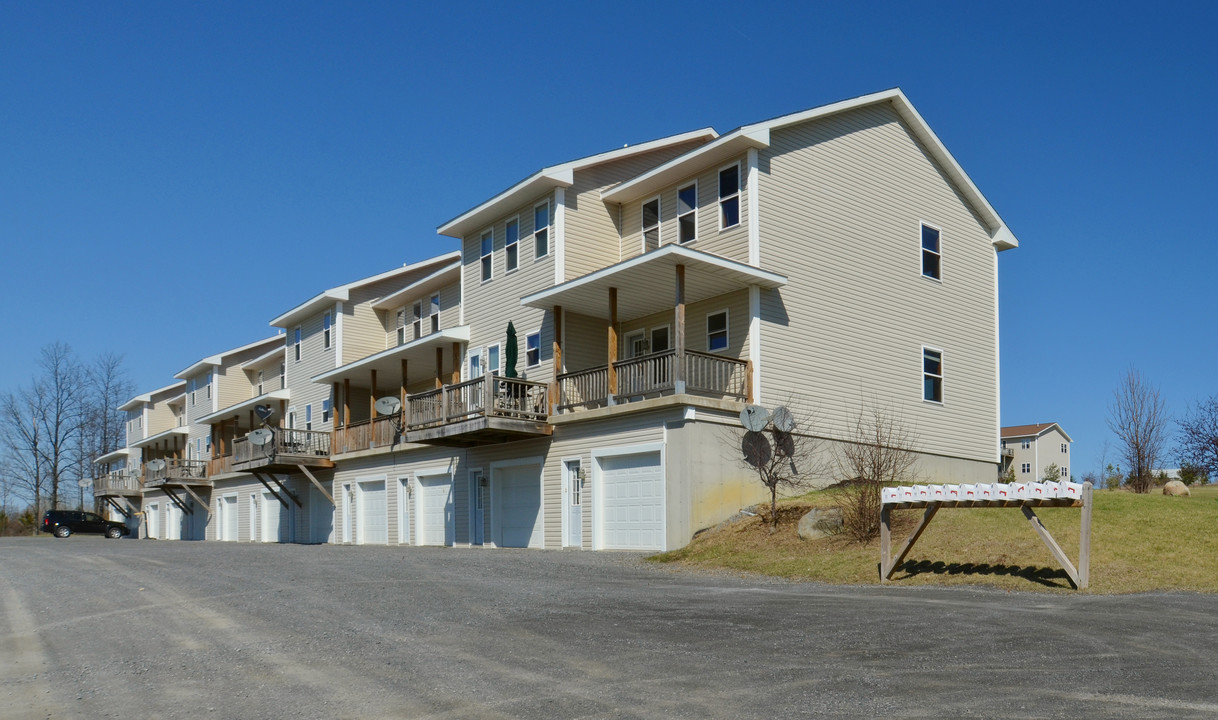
373 512
153 516
476 514
573 515
173 522
229 515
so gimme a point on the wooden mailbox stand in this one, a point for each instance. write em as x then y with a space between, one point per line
1079 576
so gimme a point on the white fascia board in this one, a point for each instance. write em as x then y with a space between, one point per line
120 454
445 336
218 360
153 439
265 359
683 166
312 306
519 194
142 398
225 413
441 276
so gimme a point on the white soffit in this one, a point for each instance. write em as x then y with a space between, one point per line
388 363
438 279
231 410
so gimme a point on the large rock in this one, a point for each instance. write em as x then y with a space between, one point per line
819 523
1175 487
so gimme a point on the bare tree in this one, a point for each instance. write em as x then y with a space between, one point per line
21 437
61 417
1198 441
102 430
787 461
878 452
1138 417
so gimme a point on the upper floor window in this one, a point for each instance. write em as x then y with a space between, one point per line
1065 471
729 196
260 372
308 417
1064 449
207 388
325 411
325 331
1004 444
687 213
1025 444
435 313
532 349
475 364
651 224
932 375
296 343
488 246
292 418
1026 467
190 385
716 331
930 252
511 244
416 322
283 381
541 229
492 359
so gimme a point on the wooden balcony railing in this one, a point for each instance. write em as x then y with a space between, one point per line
118 481
647 374
500 397
284 441
363 435
220 465
583 388
709 374
656 374
176 470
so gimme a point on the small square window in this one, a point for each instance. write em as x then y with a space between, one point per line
687 213
1063 447
716 331
532 349
930 252
729 196
541 230
932 375
1026 468
488 246
1065 472
512 244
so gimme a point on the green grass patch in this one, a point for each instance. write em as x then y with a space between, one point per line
1138 543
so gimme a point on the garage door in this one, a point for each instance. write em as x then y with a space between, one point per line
518 506
276 520
373 518
173 522
434 511
228 518
632 502
153 515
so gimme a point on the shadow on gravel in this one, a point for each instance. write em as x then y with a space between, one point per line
1048 577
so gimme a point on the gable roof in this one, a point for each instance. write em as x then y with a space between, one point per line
218 359
757 135
548 178
342 293
1036 430
142 398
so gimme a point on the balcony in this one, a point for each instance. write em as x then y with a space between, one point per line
487 409
119 482
364 435
177 473
288 450
655 375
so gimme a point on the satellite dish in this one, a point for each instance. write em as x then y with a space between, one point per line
388 405
85 482
784 443
783 419
261 436
754 418
264 412
756 448
156 465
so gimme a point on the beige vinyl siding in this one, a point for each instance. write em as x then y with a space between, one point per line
731 242
483 457
232 385
160 418
314 360
450 314
840 205
363 327
735 303
490 305
585 341
591 230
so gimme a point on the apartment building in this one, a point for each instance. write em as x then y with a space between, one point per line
1029 449
821 260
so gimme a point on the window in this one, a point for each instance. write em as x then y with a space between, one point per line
325 331
729 196
283 375
541 230
417 322
930 252
1025 444
190 385
475 365
208 388
659 339
651 224
532 349
435 313
512 244
1064 450
492 359
296 343
488 246
308 417
687 213
716 331
291 417
207 445
1004 444
1065 472
260 383
932 375
325 411
401 326
1025 468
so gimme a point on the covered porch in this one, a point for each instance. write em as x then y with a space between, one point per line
665 280
235 422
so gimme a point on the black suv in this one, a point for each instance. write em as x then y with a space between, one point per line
65 522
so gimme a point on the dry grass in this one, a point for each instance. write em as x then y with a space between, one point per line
1139 543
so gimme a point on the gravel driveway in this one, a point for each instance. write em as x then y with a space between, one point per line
147 629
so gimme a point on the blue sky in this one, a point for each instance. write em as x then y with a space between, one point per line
173 175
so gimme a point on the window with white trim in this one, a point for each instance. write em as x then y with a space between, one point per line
325 411
1064 447
651 224
492 358
435 313
532 349
541 229
260 381
190 385
930 252
1065 471
475 364
325 330
1025 468
716 331
207 379
511 244
416 322
296 343
292 418
401 326
1025 444
283 371
932 375
488 247
729 196
308 417
687 213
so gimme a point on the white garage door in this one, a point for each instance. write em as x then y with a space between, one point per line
228 518
153 515
434 513
276 520
632 502
373 518
173 522
518 506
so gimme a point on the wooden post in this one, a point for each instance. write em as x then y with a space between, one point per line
1058 553
748 381
612 343
283 413
1084 540
456 363
885 540
679 334
372 396
488 394
334 403
909 542
439 368
404 383
554 388
346 402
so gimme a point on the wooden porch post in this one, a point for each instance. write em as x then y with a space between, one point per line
338 421
555 390
346 402
283 413
612 343
439 368
372 396
403 383
679 334
456 363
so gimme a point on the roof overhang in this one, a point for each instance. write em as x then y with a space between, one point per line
1008 433
709 155
218 359
388 362
650 279
231 410
311 306
445 276
154 439
120 454
267 359
547 179
138 400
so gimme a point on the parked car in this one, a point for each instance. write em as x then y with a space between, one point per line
65 522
